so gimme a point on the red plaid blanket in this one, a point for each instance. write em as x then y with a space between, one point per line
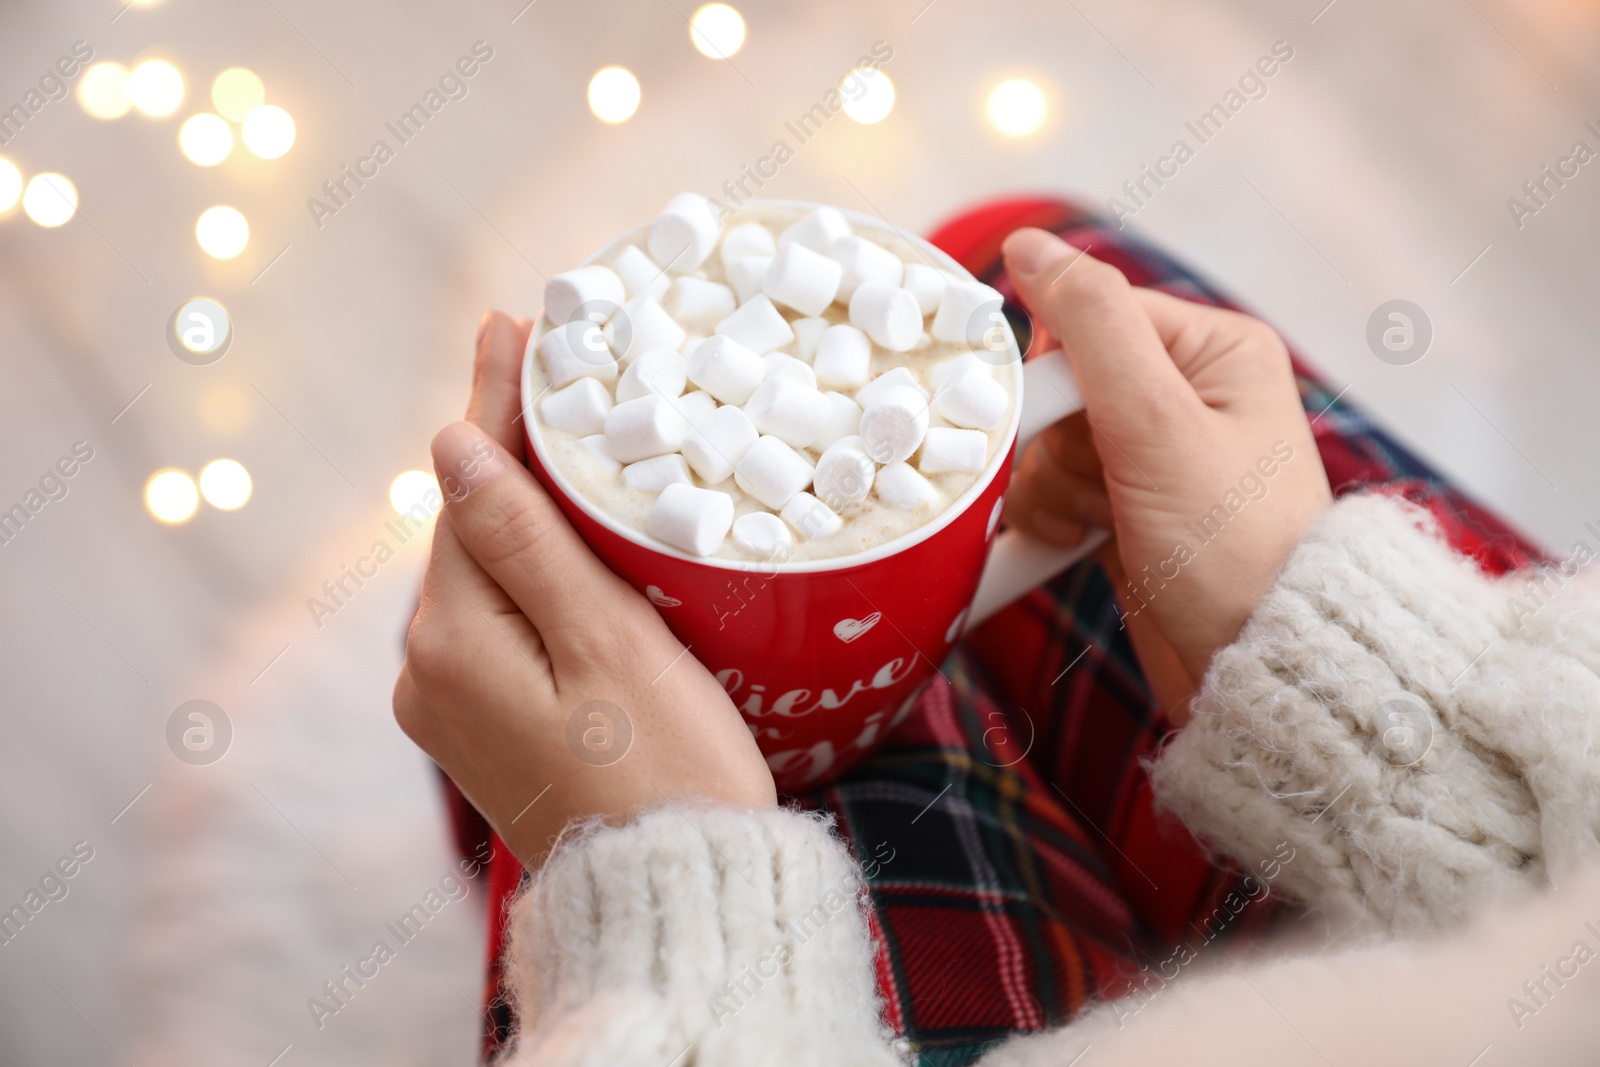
1016 865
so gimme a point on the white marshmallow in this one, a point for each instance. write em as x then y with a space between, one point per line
594 288
952 370
641 325
696 407
594 446
946 449
726 369
697 302
729 490
802 279
966 312
783 365
648 426
806 334
658 372
844 357
898 377
747 239
888 314
926 284
746 274
761 533
579 409
641 274
720 440
817 231
772 472
693 519
900 487
894 424
691 341
683 235
975 400
811 517
844 473
861 260
757 325
656 473
791 411
843 421
577 350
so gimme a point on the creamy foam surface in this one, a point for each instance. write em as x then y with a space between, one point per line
867 523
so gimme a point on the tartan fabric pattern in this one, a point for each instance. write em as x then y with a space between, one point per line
1016 865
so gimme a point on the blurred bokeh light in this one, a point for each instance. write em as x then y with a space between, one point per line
268 131
868 95
156 88
225 484
222 231
237 92
50 199
717 30
410 489
171 496
206 139
103 91
614 95
1017 107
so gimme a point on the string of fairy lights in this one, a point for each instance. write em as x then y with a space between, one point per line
155 88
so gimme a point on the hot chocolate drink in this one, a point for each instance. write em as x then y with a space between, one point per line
770 384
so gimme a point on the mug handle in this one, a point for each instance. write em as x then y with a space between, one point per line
1018 562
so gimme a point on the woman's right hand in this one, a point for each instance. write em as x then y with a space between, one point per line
544 685
1192 446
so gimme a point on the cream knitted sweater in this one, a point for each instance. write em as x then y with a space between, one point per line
1421 742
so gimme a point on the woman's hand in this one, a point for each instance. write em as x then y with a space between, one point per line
529 663
1193 447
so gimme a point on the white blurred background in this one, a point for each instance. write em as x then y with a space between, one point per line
220 897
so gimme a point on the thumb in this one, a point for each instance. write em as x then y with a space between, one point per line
1124 371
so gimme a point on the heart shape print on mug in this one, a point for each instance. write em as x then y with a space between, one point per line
848 630
660 599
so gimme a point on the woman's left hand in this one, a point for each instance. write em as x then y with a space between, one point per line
543 684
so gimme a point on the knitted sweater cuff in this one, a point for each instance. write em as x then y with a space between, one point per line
1391 738
704 935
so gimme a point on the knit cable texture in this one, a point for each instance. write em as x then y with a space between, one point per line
1418 739
696 935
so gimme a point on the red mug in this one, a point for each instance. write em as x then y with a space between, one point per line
824 657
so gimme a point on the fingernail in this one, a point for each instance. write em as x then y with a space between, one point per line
1057 530
1031 251
464 458
483 329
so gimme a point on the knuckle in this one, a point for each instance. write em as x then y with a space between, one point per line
1168 416
411 709
512 530
433 655
608 631
1259 338
592 642
1090 284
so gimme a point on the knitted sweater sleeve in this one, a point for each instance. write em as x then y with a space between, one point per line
711 936
1417 736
